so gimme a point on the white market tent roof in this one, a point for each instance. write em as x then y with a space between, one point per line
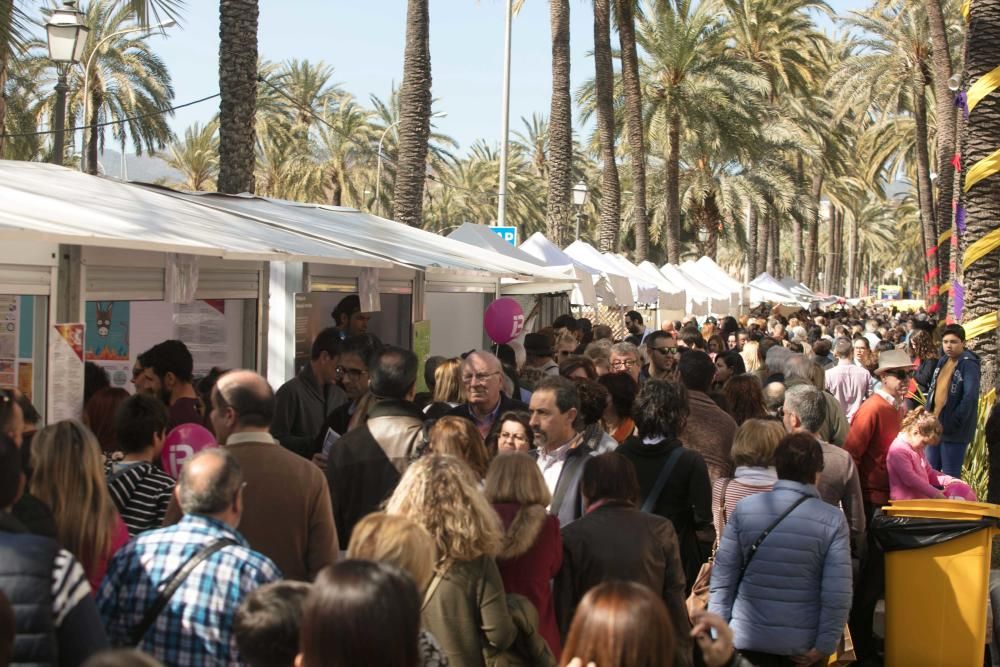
592 284
44 202
589 256
701 300
724 301
765 288
717 275
673 298
481 236
644 290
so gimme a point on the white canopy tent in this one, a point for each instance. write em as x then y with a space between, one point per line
715 274
724 301
764 288
592 283
619 284
643 289
673 297
480 236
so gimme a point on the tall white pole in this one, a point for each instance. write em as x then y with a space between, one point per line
505 117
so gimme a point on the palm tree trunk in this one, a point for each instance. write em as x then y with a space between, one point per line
414 116
831 254
6 25
852 260
812 233
625 9
924 192
96 100
798 248
763 236
773 246
604 89
752 243
945 119
560 159
673 198
982 202
238 94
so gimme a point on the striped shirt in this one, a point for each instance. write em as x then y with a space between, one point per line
141 492
743 485
69 585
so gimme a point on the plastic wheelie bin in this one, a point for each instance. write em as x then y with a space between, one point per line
937 566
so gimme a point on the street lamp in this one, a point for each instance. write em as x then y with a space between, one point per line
580 195
67 36
702 235
86 80
378 170
899 275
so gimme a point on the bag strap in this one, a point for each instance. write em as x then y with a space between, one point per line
725 517
171 585
432 587
661 481
767 531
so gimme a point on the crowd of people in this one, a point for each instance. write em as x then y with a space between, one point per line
697 494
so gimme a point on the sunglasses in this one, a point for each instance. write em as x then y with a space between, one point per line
665 350
900 375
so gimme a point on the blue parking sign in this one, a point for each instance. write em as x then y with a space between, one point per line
508 234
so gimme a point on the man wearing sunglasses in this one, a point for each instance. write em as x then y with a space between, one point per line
661 348
876 424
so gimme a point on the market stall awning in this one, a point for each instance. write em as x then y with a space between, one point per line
764 288
724 301
643 289
589 256
673 297
56 204
593 284
481 236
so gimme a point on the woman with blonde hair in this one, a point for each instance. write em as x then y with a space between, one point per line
465 606
532 552
396 540
459 437
751 356
449 390
753 455
69 478
910 476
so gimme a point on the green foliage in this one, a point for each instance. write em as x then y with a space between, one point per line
976 470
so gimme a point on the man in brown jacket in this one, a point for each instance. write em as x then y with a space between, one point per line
287 515
709 430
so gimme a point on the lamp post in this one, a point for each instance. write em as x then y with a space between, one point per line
580 194
86 81
378 153
505 117
67 36
702 238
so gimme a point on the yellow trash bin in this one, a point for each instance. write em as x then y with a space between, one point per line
936 581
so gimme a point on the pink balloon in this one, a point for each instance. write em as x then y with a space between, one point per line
182 443
503 320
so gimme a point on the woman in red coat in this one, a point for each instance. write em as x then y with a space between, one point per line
532 549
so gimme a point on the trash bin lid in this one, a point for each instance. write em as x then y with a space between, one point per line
939 508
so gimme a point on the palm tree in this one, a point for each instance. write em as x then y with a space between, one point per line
415 116
625 13
127 80
238 94
693 83
560 134
15 19
604 95
344 144
197 157
886 78
982 201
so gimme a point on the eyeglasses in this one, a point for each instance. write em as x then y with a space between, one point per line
478 377
566 353
355 373
780 412
664 350
623 363
899 374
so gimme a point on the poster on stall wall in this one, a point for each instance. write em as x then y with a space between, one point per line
202 327
108 339
65 386
8 341
421 348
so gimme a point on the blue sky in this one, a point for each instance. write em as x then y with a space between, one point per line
363 41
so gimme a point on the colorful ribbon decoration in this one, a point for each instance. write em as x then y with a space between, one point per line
983 87
962 102
945 235
981 248
966 9
958 298
945 287
986 167
960 219
981 325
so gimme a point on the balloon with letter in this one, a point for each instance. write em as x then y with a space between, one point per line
183 442
503 320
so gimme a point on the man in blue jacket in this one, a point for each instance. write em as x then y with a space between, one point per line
954 399
787 600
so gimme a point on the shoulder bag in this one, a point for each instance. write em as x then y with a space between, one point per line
661 481
756 545
697 601
171 585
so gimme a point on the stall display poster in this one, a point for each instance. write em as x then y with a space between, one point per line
65 382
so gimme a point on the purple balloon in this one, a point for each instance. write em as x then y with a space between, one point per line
503 320
183 442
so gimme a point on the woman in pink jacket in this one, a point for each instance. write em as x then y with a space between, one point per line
910 476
